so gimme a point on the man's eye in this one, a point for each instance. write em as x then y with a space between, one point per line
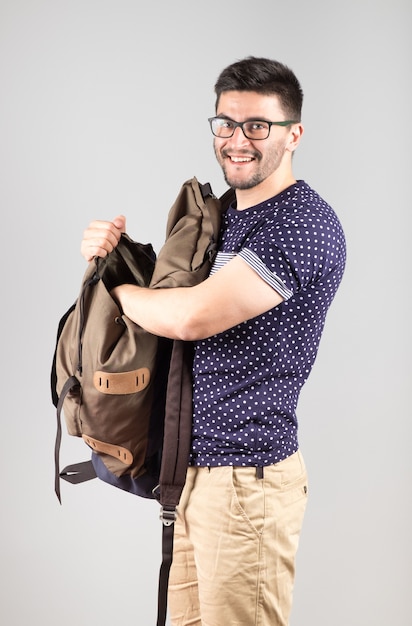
256 125
226 124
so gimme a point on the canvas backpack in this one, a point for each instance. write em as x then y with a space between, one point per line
128 393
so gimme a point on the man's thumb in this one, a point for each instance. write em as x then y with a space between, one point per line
120 223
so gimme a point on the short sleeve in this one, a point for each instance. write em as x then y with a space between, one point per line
292 252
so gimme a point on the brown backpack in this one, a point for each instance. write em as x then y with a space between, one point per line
128 393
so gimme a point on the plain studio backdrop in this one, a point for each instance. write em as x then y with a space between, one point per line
103 110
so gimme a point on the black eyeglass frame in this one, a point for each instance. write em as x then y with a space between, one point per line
241 124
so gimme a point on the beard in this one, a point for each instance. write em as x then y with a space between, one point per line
266 165
249 183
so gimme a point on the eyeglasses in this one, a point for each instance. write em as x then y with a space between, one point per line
223 127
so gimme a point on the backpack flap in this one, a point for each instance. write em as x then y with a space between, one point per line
192 234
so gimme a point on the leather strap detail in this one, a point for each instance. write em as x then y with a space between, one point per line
122 383
118 452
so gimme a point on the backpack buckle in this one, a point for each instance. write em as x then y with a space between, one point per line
167 516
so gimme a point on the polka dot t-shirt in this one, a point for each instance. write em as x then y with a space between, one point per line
247 379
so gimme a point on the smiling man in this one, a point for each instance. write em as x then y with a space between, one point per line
256 323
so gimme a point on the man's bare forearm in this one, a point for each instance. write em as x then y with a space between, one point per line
163 312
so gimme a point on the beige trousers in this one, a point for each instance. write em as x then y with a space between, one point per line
235 544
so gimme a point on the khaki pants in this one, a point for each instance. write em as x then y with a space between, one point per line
235 544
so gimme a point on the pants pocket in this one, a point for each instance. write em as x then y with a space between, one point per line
248 497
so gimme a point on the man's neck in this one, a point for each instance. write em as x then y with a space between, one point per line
246 198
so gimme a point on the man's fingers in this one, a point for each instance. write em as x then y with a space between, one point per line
101 237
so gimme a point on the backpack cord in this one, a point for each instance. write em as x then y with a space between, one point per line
90 283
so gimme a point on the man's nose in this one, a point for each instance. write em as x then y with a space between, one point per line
239 136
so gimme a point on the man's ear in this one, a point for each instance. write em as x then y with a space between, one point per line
295 136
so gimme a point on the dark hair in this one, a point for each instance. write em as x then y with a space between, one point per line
266 77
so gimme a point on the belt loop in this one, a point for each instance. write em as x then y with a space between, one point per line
259 472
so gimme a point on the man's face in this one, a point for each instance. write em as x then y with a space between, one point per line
246 163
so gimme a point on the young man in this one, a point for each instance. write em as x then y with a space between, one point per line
256 322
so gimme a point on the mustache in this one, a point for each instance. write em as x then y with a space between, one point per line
254 154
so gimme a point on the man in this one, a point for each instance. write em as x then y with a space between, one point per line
256 323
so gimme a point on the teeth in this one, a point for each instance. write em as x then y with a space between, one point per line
241 159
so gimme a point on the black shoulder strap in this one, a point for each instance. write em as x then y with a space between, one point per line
226 199
175 458
178 424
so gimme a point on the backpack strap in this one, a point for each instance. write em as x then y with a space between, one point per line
83 471
175 459
78 472
178 425
70 384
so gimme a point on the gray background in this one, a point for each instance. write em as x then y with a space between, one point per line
103 110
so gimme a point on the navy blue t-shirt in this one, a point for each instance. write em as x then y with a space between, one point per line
247 379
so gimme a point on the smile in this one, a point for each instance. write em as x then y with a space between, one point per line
241 159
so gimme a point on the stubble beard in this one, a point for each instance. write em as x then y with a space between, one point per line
262 172
248 183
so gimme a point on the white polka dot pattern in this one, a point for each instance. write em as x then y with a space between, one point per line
247 380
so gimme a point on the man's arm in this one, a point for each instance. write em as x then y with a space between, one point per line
234 294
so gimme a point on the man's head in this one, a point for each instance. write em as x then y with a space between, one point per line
266 77
257 126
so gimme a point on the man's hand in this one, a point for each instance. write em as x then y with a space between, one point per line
102 237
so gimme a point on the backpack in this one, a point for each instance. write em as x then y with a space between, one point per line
128 393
